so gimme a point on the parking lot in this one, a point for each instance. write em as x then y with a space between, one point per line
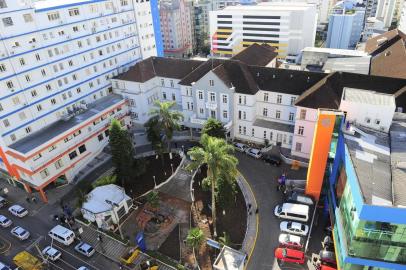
263 180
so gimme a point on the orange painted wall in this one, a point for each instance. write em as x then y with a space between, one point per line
319 154
12 171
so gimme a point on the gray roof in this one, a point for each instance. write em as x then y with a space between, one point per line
370 155
274 125
398 158
44 135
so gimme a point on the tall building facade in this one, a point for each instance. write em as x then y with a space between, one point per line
385 11
177 27
346 24
402 19
289 27
55 69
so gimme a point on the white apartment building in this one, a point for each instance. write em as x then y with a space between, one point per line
256 103
287 26
57 58
402 19
385 11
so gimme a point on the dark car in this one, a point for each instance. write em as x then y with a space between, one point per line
328 257
272 160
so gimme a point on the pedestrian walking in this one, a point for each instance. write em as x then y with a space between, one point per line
256 210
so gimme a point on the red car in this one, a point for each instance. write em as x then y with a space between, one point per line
290 255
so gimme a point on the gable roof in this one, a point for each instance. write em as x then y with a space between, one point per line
257 54
159 66
327 92
388 54
201 70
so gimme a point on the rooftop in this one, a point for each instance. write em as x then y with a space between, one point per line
229 259
258 55
97 199
46 134
270 6
380 162
52 4
340 52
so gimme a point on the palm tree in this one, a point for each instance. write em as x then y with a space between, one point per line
195 237
221 164
166 118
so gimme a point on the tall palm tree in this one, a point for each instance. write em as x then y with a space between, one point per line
167 118
195 237
216 153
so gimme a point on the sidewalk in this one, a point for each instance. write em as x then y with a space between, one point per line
252 218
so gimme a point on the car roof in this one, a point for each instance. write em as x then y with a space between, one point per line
295 224
254 150
16 206
58 229
85 245
294 252
3 217
294 238
19 229
51 250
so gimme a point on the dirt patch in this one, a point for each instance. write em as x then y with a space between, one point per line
153 167
171 246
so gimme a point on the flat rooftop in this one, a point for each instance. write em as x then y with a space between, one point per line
341 52
229 259
274 125
53 4
379 161
46 134
269 6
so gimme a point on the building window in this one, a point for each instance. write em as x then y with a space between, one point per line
211 82
225 114
3 4
368 120
200 93
290 139
212 97
28 129
244 115
239 129
58 164
2 67
245 100
27 18
239 114
278 114
213 114
298 147
100 137
271 136
264 134
22 116
44 173
53 16
173 96
164 95
73 154
82 149
171 83
292 100
162 82
52 148
22 62
10 84
239 99
291 116
225 99
377 121
265 112
300 130
253 132
73 12
266 97
6 122
244 130
201 111
279 99
284 138
7 21
13 137
302 114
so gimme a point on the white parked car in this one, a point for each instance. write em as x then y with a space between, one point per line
240 147
51 253
18 211
294 228
3 202
253 152
85 249
289 240
4 266
83 268
20 233
5 222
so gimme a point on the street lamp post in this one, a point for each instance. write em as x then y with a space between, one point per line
154 181
172 167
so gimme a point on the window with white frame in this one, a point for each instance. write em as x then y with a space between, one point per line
298 147
239 99
201 110
164 95
291 116
3 4
265 112
225 99
213 114
162 82
171 82
300 130
239 129
279 99
44 173
244 130
271 136
244 115
7 21
28 18
211 82
302 114
266 97
212 97
52 16
264 134
2 67
73 12
173 96
200 94
225 114
58 164
6 122
253 132
278 114
292 100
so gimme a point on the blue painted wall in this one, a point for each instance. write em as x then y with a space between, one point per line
157 27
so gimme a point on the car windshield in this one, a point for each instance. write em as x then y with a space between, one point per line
303 227
279 209
20 210
289 225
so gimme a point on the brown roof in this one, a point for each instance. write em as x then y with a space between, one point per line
327 92
201 70
388 54
257 55
159 66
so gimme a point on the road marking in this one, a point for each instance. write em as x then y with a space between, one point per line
53 264
257 217
76 257
34 242
7 244
68 264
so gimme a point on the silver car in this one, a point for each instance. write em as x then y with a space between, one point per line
85 249
20 233
253 152
5 222
294 228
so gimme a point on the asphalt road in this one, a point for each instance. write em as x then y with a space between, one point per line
262 179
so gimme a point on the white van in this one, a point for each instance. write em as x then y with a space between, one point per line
292 211
62 235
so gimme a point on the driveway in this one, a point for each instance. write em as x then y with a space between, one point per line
262 179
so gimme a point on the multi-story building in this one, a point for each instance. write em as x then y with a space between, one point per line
289 27
402 18
345 26
370 8
177 27
56 62
356 169
385 11
256 102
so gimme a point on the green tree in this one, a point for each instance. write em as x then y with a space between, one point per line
195 237
214 128
122 151
153 198
166 119
154 136
217 155
105 180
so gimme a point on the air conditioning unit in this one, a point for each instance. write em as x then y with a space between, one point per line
33 46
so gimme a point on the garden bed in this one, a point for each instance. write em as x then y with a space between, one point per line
153 167
234 222
171 246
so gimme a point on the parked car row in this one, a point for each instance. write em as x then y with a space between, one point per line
256 153
293 231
